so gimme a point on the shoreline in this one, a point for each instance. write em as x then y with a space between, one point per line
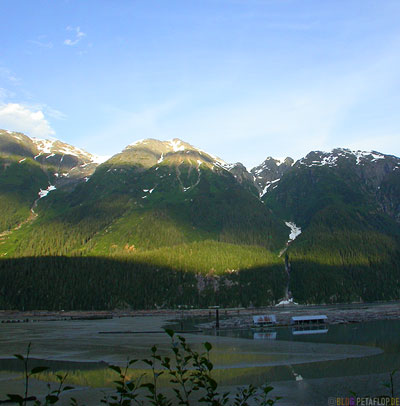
230 317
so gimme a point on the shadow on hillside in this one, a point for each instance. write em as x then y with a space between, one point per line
98 283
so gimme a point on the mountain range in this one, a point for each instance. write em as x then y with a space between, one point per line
164 223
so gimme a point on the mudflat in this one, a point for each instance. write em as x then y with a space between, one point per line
112 340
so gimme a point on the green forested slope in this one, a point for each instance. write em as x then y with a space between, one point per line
20 183
349 249
111 211
162 224
196 229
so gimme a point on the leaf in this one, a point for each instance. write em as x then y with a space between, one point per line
19 356
169 332
15 398
267 389
38 370
52 399
149 386
115 368
130 385
207 346
213 384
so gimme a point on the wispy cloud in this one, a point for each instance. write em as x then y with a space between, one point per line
16 117
41 44
8 75
54 113
5 94
79 35
47 110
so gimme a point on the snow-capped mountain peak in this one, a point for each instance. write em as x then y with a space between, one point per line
267 175
149 152
54 146
337 155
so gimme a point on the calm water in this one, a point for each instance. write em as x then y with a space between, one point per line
384 334
381 334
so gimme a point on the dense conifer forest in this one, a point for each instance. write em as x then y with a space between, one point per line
164 224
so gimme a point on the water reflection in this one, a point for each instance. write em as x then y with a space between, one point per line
303 330
382 334
271 334
266 335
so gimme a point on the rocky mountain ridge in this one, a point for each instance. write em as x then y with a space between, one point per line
326 226
76 163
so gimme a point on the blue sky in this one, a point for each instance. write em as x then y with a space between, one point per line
242 79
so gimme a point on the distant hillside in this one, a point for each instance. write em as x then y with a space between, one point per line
323 229
347 207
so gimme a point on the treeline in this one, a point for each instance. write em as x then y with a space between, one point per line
95 283
330 265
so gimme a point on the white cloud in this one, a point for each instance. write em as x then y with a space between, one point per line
16 117
78 36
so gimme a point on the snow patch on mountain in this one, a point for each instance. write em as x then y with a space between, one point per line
267 186
43 193
54 146
18 137
286 302
44 146
363 155
176 145
99 159
141 141
320 158
266 164
294 231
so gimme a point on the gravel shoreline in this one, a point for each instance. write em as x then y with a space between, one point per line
343 314
230 318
